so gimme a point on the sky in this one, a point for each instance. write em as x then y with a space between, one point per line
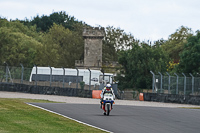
144 19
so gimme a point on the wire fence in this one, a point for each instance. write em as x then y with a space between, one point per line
55 77
180 84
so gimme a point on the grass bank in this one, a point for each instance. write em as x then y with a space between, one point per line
18 117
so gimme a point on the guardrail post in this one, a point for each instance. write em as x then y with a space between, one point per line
153 81
63 77
192 83
77 78
50 75
184 84
169 82
176 83
89 78
160 82
22 73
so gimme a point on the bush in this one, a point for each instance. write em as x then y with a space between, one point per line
82 84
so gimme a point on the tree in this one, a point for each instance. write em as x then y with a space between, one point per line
190 57
115 40
61 47
137 63
175 44
44 23
18 43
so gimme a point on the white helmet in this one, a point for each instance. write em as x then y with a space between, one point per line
108 85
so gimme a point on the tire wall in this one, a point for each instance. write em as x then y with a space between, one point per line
172 98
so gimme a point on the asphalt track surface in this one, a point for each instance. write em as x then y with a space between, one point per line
131 119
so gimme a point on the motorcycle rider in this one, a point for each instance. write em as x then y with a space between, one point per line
107 89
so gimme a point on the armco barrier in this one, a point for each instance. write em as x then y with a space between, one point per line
45 90
172 98
96 94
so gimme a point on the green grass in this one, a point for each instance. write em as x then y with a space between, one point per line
190 107
18 117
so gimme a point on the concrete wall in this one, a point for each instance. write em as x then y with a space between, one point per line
45 90
172 98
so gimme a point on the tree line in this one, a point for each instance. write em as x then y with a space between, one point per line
56 40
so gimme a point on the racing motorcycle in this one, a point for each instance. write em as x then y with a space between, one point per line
107 103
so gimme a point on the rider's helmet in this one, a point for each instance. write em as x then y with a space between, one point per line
108 87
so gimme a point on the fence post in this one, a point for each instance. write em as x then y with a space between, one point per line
103 73
89 78
192 83
77 78
112 78
153 81
50 75
160 82
35 75
103 77
6 66
169 82
22 73
176 83
63 77
184 84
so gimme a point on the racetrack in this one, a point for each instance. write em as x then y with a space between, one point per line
127 115
131 119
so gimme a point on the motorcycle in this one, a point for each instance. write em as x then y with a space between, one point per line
107 103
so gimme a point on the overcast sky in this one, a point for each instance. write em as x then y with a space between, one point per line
144 19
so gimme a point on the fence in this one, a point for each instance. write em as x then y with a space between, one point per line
180 84
22 75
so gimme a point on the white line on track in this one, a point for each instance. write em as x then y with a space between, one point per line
69 118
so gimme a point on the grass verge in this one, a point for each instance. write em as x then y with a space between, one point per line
190 107
18 117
